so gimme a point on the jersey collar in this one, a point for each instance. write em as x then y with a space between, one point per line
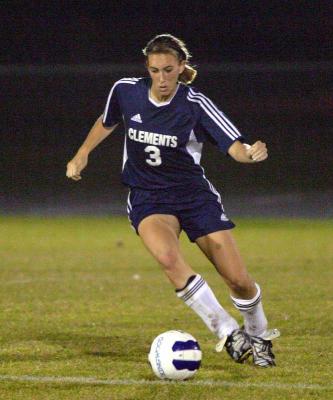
162 103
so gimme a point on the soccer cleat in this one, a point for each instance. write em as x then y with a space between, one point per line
262 348
237 345
270 334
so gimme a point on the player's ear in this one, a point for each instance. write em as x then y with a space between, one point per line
182 66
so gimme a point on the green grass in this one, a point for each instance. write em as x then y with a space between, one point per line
81 297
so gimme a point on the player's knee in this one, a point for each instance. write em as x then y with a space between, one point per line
168 259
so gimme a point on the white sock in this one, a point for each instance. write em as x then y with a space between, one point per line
199 296
255 321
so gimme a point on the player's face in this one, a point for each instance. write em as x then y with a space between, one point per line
164 70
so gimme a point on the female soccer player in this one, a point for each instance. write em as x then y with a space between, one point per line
166 123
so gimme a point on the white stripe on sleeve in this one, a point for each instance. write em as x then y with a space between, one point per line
217 116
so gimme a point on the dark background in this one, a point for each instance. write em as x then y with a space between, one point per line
268 65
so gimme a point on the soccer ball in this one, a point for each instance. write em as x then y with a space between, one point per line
175 355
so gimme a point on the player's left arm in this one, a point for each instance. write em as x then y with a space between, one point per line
246 153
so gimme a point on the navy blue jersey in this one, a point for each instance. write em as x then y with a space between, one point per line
163 142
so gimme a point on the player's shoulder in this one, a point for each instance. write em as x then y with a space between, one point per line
194 97
127 82
186 90
193 93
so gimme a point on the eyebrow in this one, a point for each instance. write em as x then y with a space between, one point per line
168 66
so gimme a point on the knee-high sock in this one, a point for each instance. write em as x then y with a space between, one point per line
199 296
252 310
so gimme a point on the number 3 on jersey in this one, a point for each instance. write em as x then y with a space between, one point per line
154 156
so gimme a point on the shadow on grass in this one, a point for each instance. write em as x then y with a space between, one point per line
115 346
67 346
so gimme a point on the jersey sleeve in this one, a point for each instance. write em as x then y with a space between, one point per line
112 113
214 123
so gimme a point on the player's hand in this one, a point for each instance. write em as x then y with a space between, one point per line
76 165
257 152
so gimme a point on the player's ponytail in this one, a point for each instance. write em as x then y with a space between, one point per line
188 75
167 43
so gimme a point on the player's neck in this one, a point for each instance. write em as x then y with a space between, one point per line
160 98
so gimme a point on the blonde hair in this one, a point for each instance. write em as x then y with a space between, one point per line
167 43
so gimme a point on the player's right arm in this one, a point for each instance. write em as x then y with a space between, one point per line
96 135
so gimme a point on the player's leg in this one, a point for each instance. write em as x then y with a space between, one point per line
206 224
160 234
222 251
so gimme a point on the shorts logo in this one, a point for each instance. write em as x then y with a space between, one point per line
137 118
224 217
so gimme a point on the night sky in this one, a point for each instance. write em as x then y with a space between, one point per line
38 32
47 111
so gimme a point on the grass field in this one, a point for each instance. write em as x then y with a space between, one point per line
81 301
